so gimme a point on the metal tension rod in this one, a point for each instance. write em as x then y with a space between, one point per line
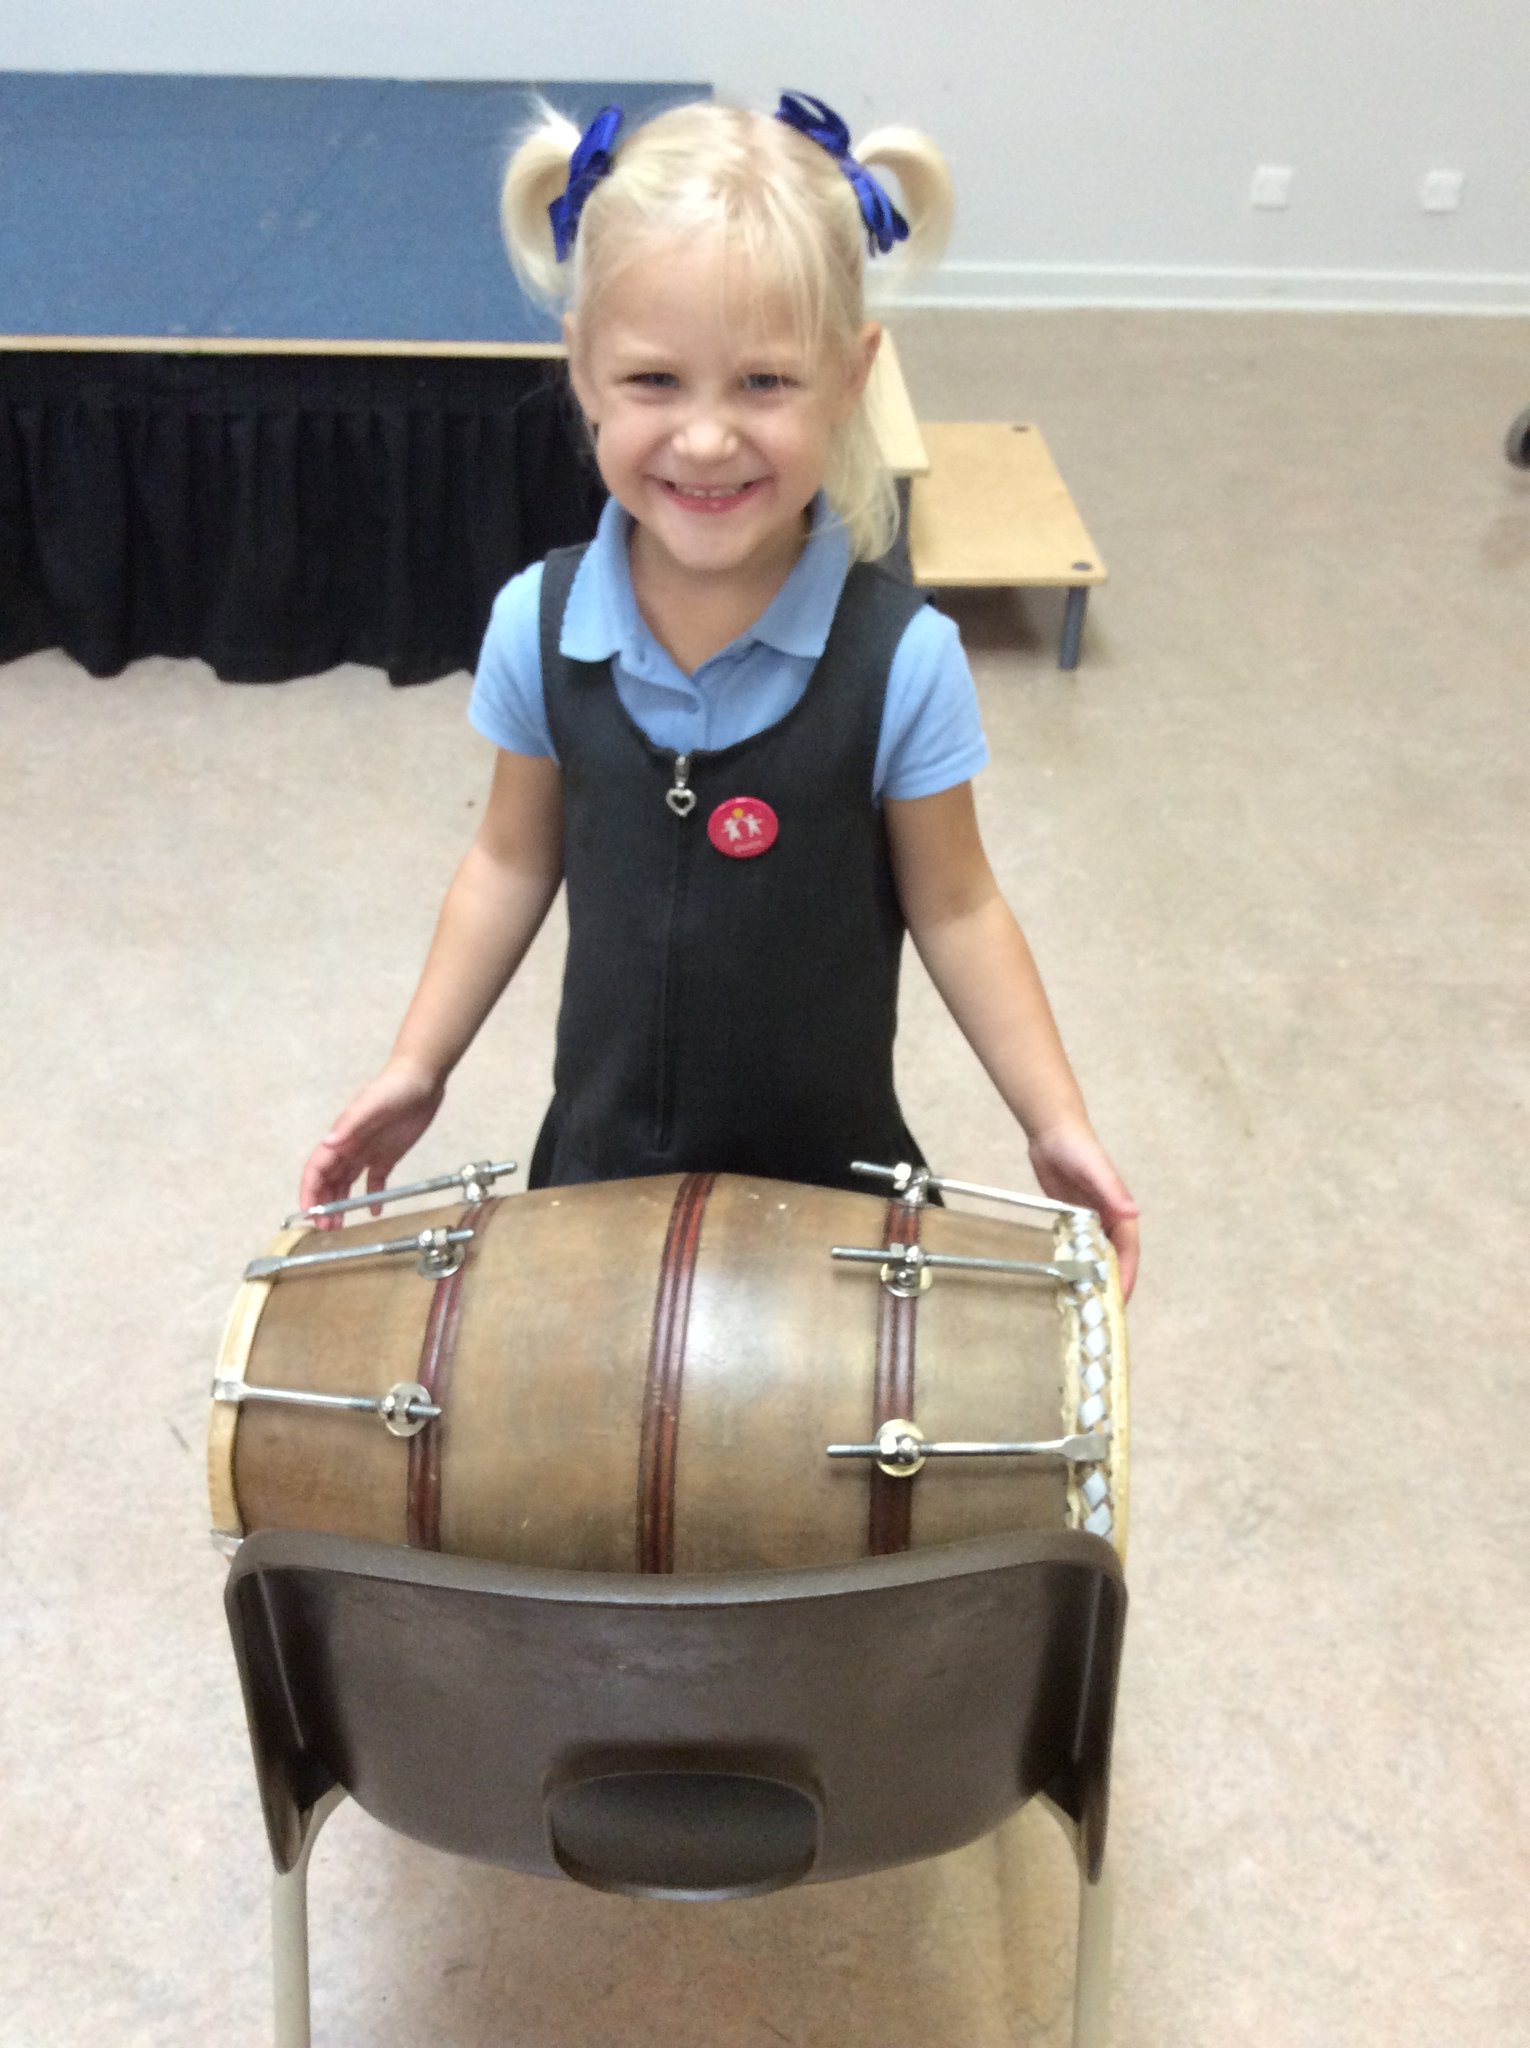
902 1447
905 1178
907 1261
437 1249
474 1181
404 1409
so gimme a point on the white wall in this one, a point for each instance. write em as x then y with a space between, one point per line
1102 148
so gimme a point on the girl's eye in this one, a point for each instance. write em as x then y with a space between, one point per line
766 380
653 380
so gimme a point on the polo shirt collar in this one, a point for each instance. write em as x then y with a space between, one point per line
602 619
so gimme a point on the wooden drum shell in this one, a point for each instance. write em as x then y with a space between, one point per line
552 1447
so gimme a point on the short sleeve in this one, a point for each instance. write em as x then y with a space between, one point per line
932 734
507 705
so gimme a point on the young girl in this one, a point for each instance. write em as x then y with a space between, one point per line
745 748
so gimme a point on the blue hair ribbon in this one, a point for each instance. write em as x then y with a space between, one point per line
590 162
820 124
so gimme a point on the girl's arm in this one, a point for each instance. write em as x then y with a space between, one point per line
977 957
492 912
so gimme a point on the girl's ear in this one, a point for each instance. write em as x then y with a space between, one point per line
862 357
577 374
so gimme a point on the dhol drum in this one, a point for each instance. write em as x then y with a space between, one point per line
695 1373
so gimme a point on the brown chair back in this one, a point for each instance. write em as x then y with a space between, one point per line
682 1736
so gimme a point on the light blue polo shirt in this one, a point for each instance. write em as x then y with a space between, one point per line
932 736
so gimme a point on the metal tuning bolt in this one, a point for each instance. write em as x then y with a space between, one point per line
901 1449
406 1408
906 1272
403 1411
475 1181
439 1252
478 1178
910 1183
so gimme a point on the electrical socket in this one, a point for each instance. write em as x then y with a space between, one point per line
1271 186
1440 191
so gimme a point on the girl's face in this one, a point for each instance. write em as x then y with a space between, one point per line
712 422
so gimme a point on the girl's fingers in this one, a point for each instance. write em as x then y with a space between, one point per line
1086 1175
370 1136
1118 1213
315 1183
329 1175
1123 1236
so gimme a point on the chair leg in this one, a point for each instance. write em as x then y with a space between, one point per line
1091 1965
289 1933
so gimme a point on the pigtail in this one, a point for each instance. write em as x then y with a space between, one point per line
924 192
535 176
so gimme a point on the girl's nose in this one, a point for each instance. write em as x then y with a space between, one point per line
707 435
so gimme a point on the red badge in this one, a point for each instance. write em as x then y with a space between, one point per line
743 827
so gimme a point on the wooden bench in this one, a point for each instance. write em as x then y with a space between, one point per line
992 510
899 435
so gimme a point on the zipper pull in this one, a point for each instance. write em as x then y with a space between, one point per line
680 798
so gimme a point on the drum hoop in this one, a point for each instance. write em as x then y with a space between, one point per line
1073 1363
233 1363
1120 1408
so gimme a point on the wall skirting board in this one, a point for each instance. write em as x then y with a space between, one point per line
1000 285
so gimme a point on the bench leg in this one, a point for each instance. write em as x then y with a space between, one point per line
1073 627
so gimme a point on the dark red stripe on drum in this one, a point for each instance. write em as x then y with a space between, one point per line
666 1365
891 1514
434 1375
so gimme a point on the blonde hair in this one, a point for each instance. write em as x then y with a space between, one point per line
780 205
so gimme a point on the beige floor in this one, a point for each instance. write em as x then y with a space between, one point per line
1270 845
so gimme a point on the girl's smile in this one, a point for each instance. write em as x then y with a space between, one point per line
710 497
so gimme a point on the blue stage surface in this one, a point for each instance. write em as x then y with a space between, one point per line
147 211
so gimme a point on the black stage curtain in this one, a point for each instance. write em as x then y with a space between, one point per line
276 515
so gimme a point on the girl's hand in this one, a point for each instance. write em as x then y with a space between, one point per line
1070 1164
370 1136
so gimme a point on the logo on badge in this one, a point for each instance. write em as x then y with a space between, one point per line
743 826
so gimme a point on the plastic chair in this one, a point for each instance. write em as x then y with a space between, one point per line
680 1737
